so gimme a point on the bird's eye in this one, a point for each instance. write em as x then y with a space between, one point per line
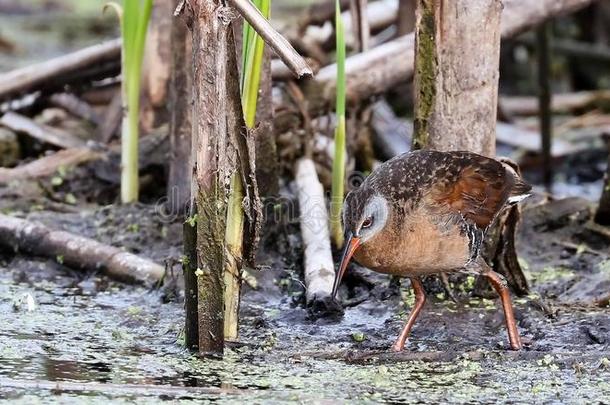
367 223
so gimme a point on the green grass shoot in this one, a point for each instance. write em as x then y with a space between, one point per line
134 17
338 173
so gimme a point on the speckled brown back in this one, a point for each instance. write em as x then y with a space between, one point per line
463 183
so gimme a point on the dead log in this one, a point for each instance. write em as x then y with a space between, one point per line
76 251
319 266
43 133
48 165
95 62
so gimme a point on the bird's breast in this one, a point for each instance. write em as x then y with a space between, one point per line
420 245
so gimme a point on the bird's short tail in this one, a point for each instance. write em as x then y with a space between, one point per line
520 190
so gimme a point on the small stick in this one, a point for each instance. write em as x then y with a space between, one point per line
274 39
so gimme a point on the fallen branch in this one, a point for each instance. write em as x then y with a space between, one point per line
44 133
102 60
48 165
76 107
77 251
560 103
530 141
319 266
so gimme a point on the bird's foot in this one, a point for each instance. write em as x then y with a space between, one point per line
398 346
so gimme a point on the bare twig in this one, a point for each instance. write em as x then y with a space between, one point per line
77 251
274 39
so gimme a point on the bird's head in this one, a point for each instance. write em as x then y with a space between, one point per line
365 214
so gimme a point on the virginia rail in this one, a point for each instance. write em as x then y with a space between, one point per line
427 212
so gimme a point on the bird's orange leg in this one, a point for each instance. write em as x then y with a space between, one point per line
420 300
499 284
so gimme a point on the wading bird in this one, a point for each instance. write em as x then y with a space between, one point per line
427 212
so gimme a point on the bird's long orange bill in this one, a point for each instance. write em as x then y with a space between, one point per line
350 247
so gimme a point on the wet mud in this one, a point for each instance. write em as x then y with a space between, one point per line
72 337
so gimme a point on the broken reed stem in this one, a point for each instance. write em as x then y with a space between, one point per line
274 39
234 236
318 259
252 60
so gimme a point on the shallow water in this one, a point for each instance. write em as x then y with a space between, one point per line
91 330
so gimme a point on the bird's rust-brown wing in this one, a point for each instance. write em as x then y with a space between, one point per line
476 188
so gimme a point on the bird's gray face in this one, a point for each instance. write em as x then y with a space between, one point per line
365 219
365 214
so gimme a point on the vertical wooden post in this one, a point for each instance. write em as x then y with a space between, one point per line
189 269
406 17
457 57
157 65
213 130
543 34
602 215
180 125
457 61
